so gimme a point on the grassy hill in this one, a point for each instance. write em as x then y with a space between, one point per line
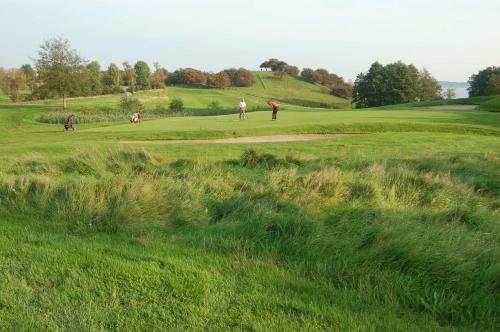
289 90
394 228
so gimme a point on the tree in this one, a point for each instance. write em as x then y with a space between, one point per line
12 81
292 70
478 83
275 65
187 77
94 78
307 74
265 65
384 85
143 74
220 80
58 67
343 90
427 86
30 74
176 105
130 104
240 77
450 94
129 76
159 77
112 79
493 85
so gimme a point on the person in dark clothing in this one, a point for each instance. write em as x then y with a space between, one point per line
69 123
275 107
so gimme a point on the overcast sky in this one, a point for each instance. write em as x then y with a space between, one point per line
452 38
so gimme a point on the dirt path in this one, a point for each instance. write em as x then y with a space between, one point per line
233 140
457 107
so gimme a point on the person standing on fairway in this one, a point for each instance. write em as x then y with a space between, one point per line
243 109
275 107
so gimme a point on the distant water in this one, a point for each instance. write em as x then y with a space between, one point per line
459 87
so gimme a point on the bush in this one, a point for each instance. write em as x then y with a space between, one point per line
176 105
214 105
187 76
342 91
219 80
240 77
292 70
130 104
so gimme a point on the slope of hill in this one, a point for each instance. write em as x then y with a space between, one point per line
291 91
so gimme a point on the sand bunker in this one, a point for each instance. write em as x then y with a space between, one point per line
233 140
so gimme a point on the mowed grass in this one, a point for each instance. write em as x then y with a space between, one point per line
396 228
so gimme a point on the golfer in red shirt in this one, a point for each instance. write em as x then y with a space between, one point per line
275 107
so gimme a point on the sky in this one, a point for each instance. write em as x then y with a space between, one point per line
451 38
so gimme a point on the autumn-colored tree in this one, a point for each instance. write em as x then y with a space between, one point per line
12 81
219 80
129 76
30 74
159 77
186 76
343 90
240 77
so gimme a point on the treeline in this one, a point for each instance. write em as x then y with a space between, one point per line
334 83
394 83
485 83
59 71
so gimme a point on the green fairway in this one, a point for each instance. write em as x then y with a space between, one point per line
394 227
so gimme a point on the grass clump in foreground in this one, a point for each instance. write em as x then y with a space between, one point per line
319 244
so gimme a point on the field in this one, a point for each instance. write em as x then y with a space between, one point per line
392 227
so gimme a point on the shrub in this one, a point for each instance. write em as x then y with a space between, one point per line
187 76
240 77
214 105
219 80
176 105
342 91
130 104
292 70
307 74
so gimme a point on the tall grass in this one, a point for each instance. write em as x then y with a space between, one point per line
111 115
419 236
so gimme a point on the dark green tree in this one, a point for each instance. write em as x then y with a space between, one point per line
493 86
307 74
384 85
143 74
478 83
